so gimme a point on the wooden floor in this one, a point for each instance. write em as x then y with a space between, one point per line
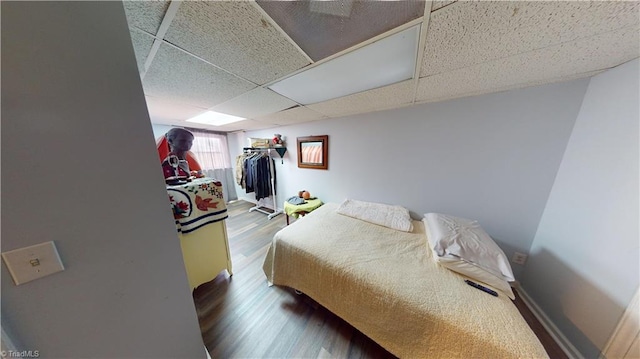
241 317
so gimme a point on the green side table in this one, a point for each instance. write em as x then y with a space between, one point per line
300 210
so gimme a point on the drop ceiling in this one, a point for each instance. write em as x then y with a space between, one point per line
195 56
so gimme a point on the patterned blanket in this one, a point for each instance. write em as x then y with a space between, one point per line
197 203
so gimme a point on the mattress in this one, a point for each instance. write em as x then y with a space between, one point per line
386 284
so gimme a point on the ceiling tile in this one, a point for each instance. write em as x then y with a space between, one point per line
246 125
506 87
146 15
292 116
141 46
163 111
469 33
235 36
440 4
368 101
254 103
553 63
324 28
182 78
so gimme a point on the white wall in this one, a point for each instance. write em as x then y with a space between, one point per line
80 168
584 264
160 130
492 157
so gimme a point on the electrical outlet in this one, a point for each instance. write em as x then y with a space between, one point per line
29 263
519 258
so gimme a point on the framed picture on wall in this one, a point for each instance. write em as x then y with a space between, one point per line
313 152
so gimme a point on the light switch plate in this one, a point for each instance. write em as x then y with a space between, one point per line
33 262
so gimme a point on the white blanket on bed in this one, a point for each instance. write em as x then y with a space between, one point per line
396 217
386 284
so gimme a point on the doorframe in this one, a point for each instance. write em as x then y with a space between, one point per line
625 337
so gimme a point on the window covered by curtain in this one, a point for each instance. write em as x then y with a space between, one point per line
212 152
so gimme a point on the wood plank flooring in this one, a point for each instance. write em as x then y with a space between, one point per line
241 317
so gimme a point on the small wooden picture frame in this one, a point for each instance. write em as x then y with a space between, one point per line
313 152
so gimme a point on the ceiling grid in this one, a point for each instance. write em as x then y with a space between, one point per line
280 30
423 40
223 55
162 30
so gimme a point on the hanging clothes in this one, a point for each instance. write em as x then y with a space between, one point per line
256 172
240 180
264 173
249 169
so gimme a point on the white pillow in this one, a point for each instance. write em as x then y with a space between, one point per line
395 217
463 246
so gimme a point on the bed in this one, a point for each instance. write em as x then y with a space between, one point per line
386 284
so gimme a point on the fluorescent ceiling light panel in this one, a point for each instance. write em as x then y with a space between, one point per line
215 118
384 62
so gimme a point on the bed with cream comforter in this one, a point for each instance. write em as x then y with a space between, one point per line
385 283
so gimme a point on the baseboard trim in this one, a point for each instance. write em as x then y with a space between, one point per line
564 343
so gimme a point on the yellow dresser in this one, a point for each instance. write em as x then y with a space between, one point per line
200 212
206 253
